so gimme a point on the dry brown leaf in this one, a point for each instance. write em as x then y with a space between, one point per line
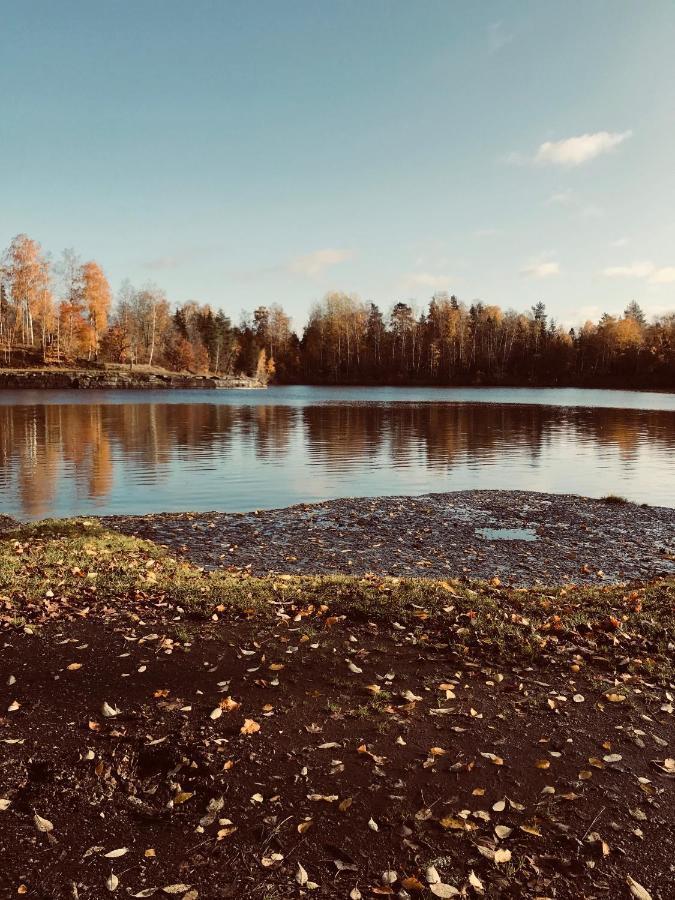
250 726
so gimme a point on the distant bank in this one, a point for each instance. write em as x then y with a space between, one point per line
118 379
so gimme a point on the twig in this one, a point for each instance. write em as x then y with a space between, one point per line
593 823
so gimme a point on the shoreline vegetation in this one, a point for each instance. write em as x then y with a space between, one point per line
111 377
173 731
64 314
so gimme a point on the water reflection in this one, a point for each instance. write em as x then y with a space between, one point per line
61 459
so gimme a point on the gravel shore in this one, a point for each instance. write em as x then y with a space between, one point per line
558 538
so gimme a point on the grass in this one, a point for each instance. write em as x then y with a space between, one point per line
80 560
614 498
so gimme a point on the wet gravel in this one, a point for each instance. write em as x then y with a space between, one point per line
576 539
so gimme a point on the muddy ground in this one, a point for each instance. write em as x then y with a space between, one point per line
436 536
350 750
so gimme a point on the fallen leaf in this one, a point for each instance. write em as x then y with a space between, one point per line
41 824
249 727
637 890
301 875
411 883
443 890
475 882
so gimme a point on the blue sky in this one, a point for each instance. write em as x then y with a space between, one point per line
241 153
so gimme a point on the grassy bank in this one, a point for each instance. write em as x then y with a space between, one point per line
53 568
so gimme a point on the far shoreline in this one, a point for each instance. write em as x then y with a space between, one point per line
119 379
142 378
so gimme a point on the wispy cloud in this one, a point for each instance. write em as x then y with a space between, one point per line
486 232
591 212
562 198
548 269
498 37
428 280
160 263
619 242
568 199
575 151
644 271
314 264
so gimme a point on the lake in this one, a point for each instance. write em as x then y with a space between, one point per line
69 452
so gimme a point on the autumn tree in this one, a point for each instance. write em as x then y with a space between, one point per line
27 277
96 297
73 332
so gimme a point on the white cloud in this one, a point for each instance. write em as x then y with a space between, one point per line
314 264
427 280
486 232
577 150
664 275
634 270
541 270
619 242
644 270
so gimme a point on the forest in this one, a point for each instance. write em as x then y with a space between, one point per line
63 313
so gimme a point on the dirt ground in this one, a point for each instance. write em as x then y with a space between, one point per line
325 749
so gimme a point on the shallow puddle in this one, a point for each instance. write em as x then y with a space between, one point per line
508 534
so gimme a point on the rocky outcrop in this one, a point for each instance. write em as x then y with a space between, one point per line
105 380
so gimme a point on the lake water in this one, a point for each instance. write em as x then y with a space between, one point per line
68 452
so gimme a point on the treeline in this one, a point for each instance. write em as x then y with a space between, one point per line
65 313
347 341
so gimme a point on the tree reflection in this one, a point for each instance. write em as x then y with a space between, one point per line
83 448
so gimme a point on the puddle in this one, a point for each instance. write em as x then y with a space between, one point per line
508 534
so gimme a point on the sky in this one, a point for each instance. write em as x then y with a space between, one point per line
245 153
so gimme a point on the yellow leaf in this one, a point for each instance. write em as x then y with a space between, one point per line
249 727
